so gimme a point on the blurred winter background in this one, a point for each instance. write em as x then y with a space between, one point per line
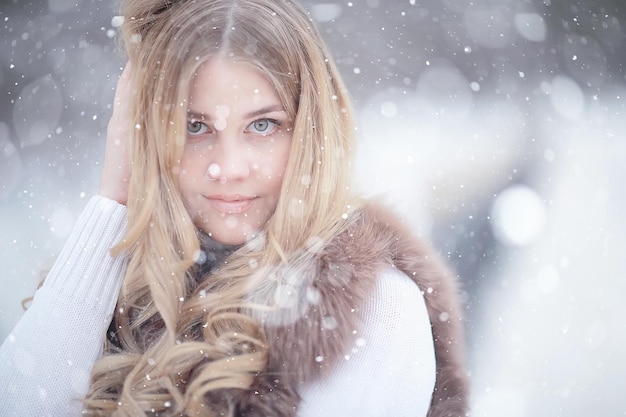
497 127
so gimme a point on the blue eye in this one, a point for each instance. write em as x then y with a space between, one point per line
195 127
262 126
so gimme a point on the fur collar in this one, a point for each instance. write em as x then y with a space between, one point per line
321 300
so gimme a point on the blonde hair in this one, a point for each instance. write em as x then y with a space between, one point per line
180 336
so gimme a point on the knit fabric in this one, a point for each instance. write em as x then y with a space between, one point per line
46 361
390 369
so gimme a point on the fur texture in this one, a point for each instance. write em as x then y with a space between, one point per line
310 331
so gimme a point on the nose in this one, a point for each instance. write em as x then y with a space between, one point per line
230 160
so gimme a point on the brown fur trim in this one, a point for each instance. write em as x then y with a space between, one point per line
329 291
267 397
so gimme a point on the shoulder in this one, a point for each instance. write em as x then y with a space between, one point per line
396 321
390 367
397 325
441 290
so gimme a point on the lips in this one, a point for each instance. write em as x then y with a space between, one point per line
231 205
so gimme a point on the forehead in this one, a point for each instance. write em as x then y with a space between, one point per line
229 78
232 89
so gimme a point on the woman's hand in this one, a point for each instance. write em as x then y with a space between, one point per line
116 168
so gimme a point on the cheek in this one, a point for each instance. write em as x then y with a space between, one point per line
270 163
187 177
281 159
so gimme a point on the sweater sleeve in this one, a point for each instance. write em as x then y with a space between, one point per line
390 370
46 361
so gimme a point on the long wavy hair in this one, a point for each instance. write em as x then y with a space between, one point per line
180 333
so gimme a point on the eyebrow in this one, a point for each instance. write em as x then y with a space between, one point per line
263 110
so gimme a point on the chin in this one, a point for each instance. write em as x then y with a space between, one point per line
229 240
231 237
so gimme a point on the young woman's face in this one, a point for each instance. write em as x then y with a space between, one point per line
238 141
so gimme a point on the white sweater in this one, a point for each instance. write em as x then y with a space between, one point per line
45 362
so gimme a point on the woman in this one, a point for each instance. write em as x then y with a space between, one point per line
250 281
